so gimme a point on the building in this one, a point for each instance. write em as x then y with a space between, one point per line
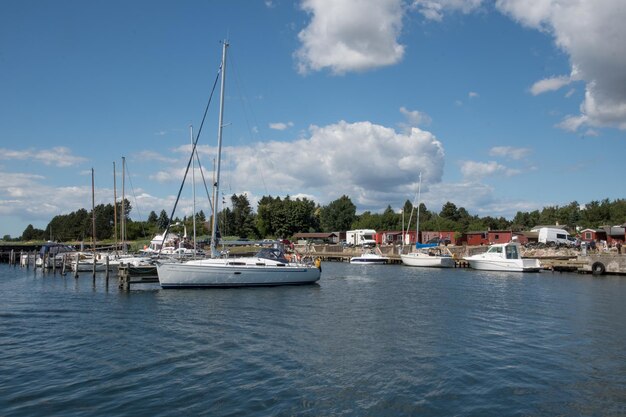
316 237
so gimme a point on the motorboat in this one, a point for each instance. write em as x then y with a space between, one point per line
431 256
52 255
503 257
369 259
268 267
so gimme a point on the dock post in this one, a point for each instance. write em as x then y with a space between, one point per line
76 270
107 270
94 266
63 266
54 265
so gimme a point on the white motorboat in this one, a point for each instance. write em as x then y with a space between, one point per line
503 257
369 259
268 268
431 257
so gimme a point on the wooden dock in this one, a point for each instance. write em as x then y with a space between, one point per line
128 274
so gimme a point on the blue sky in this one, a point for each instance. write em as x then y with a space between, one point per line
502 105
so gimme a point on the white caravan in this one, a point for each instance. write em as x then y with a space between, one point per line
361 237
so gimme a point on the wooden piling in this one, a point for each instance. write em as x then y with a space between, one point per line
76 270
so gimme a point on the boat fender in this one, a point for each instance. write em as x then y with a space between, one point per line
598 268
318 264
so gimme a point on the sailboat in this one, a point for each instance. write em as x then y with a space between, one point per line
426 254
269 267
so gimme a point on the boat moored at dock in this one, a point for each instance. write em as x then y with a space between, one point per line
503 257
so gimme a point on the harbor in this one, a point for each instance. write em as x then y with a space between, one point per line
406 339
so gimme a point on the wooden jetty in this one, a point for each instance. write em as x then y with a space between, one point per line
129 274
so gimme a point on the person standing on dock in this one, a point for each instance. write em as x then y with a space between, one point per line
618 245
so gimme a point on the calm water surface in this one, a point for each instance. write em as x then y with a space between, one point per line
367 341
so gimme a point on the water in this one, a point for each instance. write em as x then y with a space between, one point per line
367 341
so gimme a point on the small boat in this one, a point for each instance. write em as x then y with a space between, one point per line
52 254
503 257
369 259
431 256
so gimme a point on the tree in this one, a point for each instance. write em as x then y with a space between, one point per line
30 233
163 220
338 215
152 218
242 221
449 211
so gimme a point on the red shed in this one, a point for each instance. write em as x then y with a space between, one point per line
475 238
499 236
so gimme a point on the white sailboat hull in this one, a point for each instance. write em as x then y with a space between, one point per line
234 272
425 260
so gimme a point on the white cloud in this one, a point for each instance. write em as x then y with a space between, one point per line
473 94
435 9
549 84
59 156
415 117
509 152
281 126
371 163
475 171
592 33
350 35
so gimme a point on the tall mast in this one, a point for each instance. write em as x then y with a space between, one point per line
115 206
193 187
419 199
216 185
123 231
93 214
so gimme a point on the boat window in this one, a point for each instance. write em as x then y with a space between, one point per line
273 254
495 249
511 252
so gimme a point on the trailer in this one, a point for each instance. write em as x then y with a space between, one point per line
361 237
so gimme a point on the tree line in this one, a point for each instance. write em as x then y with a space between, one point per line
278 217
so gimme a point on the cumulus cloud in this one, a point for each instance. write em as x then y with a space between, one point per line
281 126
592 33
475 171
373 164
415 117
549 84
509 152
350 35
435 9
59 156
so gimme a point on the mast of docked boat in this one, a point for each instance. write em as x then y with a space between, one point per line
419 199
115 207
93 215
216 184
193 187
123 219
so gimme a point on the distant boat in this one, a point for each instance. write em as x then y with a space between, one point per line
52 254
503 257
268 267
426 254
432 256
369 259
